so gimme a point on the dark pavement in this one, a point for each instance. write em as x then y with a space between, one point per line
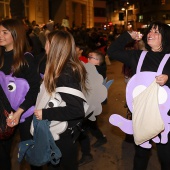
116 154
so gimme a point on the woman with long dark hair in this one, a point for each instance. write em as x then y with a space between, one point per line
157 44
17 63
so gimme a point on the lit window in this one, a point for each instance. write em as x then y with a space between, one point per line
140 16
163 2
26 4
4 6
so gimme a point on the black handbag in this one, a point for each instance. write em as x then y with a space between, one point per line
5 110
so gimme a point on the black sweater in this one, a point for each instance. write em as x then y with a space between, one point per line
102 69
131 57
73 112
29 73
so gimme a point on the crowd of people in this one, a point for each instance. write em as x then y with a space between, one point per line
28 50
54 54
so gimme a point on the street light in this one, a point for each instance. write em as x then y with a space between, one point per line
126 13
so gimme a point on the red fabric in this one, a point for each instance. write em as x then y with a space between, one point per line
102 49
84 59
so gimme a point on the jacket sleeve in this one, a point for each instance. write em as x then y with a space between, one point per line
33 78
74 109
117 51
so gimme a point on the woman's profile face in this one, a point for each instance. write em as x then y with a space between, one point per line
47 46
6 39
154 38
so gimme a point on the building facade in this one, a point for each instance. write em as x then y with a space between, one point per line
121 12
100 18
80 12
155 10
32 9
88 13
138 13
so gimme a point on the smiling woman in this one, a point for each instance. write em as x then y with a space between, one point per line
155 36
157 44
6 39
18 70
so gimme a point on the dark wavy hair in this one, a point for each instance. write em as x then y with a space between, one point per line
164 30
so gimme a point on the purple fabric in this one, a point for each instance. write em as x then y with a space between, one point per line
144 79
16 90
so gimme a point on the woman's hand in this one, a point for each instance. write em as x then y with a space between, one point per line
162 79
38 114
14 118
135 35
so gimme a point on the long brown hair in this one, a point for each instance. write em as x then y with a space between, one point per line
62 51
20 43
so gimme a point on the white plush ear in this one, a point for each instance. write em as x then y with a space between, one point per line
97 91
42 98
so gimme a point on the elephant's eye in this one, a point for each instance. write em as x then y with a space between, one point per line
11 86
53 103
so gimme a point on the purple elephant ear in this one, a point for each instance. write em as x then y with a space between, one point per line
15 90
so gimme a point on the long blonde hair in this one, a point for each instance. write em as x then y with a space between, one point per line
62 51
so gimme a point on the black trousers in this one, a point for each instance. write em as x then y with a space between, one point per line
69 151
5 145
92 127
84 141
5 150
142 155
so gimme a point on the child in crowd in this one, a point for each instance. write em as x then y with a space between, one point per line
96 58
81 50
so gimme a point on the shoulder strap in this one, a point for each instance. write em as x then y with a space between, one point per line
140 62
72 91
29 53
162 64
